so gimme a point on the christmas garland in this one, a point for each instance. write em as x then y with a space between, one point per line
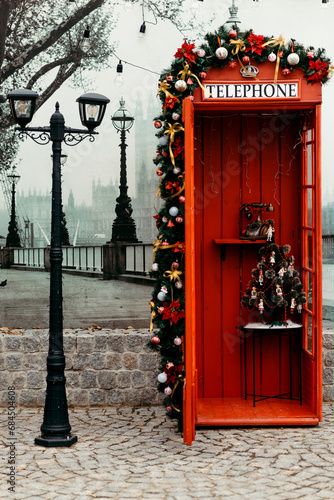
188 69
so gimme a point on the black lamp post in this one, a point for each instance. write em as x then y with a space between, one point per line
13 238
124 227
56 429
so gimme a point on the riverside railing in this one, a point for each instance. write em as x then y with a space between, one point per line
138 258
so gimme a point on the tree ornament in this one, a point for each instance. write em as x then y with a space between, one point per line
190 82
232 64
233 33
272 57
163 140
177 341
310 54
168 391
270 232
161 309
165 243
272 259
173 211
180 85
162 296
175 116
155 339
164 289
253 293
246 59
203 74
155 266
169 409
162 378
170 224
182 199
175 265
299 308
261 306
293 304
159 172
169 365
179 219
279 291
260 277
176 170
178 285
157 124
169 78
221 53
293 59
286 71
201 53
164 219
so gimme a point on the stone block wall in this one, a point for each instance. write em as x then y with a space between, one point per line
328 365
103 367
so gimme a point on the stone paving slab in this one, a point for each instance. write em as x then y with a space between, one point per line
136 453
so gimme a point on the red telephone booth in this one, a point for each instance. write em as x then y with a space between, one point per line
250 141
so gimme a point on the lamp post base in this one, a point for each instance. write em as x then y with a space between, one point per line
56 441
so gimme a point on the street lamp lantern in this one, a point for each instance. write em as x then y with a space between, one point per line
92 108
122 119
56 429
124 227
13 237
13 176
22 103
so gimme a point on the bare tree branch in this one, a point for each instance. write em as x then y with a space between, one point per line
48 67
62 75
49 40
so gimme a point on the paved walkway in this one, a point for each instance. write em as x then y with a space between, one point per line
24 302
125 453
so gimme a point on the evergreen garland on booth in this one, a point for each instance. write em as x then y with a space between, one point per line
188 69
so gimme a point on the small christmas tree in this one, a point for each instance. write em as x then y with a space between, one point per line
275 286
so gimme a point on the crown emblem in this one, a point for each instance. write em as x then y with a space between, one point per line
249 71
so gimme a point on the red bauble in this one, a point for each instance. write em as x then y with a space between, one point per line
233 33
160 311
203 75
175 265
159 172
158 124
182 199
169 409
155 339
191 97
286 71
169 78
164 219
245 59
310 54
165 244
179 219
169 365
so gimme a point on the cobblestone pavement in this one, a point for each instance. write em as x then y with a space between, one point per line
136 453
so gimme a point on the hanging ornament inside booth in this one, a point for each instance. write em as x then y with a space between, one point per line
163 140
173 211
177 341
221 53
168 391
162 378
180 85
272 57
175 116
158 124
293 59
155 266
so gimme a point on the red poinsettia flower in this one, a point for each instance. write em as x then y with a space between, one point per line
157 218
178 148
171 101
317 71
173 186
256 42
172 311
186 51
179 247
172 373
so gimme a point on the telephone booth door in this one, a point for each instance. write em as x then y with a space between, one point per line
239 153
